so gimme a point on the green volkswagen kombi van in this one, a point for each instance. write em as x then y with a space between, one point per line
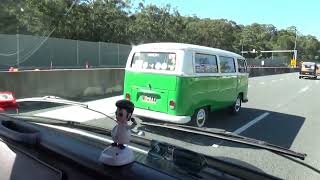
182 83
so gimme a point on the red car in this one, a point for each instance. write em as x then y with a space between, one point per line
8 101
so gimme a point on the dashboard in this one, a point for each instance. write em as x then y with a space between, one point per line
43 151
31 151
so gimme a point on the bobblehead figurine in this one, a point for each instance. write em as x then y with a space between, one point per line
118 154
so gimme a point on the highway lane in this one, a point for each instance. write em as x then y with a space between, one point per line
282 110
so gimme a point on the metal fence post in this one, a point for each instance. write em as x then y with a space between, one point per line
99 53
118 55
77 53
18 50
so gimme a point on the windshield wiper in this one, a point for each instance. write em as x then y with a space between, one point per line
210 132
75 124
229 136
137 135
58 122
58 100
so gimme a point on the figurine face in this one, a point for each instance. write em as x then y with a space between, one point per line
122 116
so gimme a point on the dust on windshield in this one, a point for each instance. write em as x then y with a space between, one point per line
246 76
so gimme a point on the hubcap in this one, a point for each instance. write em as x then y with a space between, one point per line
237 105
201 117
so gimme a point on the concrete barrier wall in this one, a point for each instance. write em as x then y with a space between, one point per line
81 83
63 83
264 71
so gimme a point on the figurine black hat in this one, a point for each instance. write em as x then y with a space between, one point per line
125 104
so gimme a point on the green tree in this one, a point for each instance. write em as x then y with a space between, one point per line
119 21
308 47
154 24
213 33
9 15
258 36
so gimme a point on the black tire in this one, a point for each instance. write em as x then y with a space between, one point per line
236 107
200 117
299 77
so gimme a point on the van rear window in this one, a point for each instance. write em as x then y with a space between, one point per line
154 60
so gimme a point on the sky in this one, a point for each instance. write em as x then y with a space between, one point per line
305 15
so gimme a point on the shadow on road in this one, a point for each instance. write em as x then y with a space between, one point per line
276 128
305 78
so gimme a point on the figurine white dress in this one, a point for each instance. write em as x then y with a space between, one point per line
121 133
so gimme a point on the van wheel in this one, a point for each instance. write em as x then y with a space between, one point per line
200 117
236 107
299 77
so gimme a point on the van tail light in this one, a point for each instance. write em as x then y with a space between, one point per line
172 104
128 96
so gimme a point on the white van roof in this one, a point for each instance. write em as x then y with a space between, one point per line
182 46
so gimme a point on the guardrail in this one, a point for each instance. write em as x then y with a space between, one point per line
264 71
76 83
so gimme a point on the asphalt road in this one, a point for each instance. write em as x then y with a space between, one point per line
282 110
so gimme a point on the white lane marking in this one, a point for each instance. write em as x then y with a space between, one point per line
295 96
249 124
262 83
304 89
273 81
281 79
243 128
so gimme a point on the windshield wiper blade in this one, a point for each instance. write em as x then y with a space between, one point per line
59 122
58 100
137 138
229 136
52 99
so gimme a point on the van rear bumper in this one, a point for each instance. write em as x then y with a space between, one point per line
303 75
161 116
307 73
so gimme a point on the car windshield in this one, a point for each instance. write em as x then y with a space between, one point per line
310 66
247 69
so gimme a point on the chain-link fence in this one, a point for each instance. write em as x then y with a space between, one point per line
25 51
270 62
29 52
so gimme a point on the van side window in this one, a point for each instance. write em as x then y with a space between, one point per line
205 63
242 66
227 64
